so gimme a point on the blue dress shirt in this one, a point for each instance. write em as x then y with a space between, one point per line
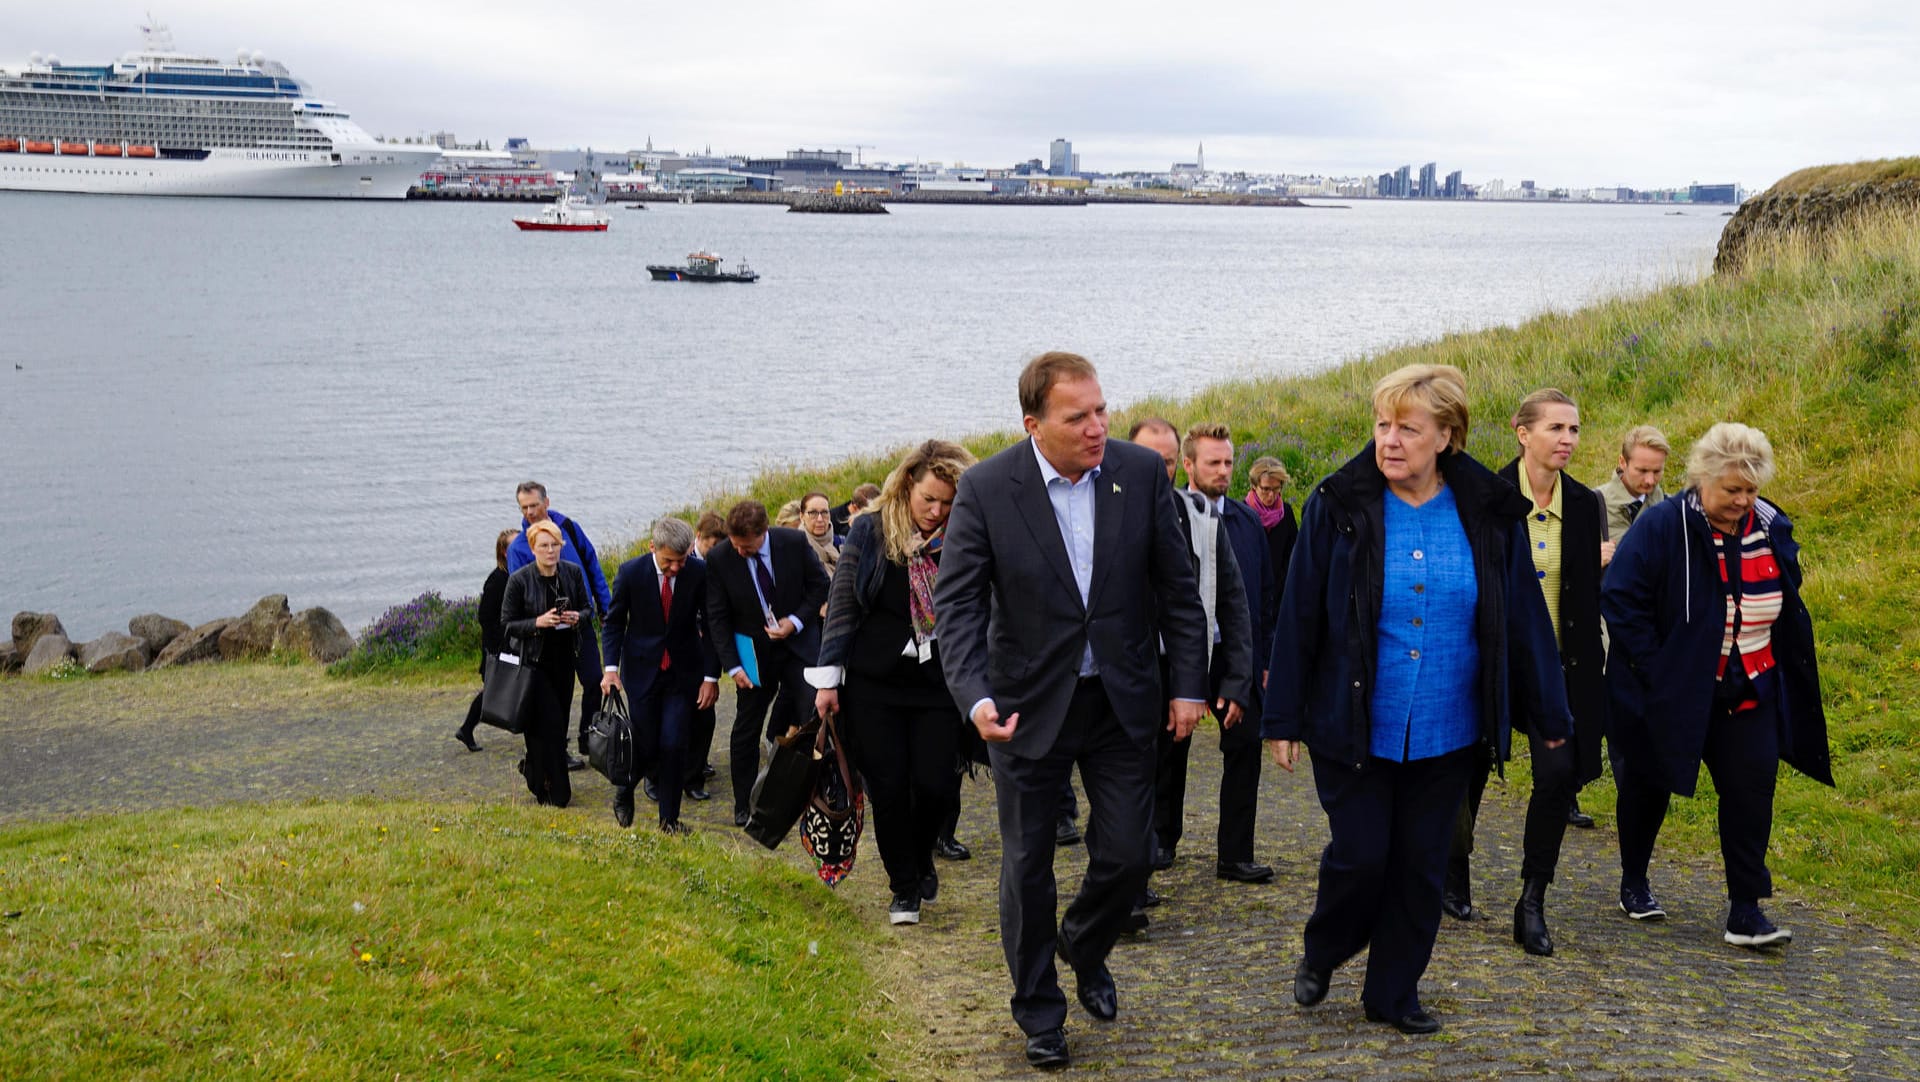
1426 698
1073 512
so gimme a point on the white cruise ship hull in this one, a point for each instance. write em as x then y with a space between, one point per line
370 172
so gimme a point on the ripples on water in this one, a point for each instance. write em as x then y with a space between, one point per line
225 398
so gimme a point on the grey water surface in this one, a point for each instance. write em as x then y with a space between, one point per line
207 400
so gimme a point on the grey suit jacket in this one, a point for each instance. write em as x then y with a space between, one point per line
1011 623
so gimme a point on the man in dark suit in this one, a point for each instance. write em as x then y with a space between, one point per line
1063 559
1231 680
1207 456
656 653
768 586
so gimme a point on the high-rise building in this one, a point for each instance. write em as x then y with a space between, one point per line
1061 161
1385 188
1453 187
1403 182
1428 187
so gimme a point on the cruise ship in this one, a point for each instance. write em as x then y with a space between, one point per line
163 122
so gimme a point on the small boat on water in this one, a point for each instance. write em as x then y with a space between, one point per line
564 215
702 267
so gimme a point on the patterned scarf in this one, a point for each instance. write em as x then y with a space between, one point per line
922 571
1269 516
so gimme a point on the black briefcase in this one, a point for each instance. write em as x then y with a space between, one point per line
506 692
611 748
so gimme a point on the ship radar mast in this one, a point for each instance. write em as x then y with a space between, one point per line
158 38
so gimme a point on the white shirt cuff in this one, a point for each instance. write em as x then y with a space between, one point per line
797 623
711 680
975 709
825 677
735 671
613 668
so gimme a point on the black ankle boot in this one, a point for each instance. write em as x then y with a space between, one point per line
1456 896
1530 919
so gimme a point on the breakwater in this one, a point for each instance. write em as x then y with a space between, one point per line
39 642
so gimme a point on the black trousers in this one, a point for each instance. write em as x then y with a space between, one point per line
1743 756
782 699
587 666
905 755
1547 808
545 766
699 748
1117 774
1239 781
1380 875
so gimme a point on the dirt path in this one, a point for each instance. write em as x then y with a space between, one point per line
1205 993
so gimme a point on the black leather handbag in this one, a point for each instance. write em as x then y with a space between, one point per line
506 692
785 785
611 748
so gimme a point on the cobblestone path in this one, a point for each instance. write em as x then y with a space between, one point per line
1205 993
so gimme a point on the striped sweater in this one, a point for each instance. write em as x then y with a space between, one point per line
1754 596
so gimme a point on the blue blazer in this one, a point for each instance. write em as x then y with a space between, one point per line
637 633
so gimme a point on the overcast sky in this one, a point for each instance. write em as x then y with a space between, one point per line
1641 95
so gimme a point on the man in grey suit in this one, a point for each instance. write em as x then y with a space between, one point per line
1059 554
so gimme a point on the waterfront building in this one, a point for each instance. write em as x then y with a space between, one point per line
1453 189
1403 182
1713 193
1061 160
1428 188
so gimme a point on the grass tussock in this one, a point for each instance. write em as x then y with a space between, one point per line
1816 344
1843 176
398 940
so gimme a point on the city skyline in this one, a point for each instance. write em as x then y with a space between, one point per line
1740 94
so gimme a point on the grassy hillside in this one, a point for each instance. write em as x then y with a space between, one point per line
1833 176
1816 347
370 940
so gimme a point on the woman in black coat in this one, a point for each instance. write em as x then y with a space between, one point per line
1411 631
1565 521
538 612
492 640
1267 481
878 651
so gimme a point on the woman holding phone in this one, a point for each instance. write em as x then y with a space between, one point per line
539 616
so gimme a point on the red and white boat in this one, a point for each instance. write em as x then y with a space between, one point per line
564 215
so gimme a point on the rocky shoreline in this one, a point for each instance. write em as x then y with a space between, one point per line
40 643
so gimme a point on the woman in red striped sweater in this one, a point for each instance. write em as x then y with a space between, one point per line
1711 662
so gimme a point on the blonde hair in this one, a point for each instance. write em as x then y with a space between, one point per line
1644 436
1731 445
944 460
1267 464
1439 389
545 525
1206 430
788 515
1532 406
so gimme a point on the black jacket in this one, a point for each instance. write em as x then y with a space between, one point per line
1582 657
1012 625
524 601
493 638
733 606
1326 643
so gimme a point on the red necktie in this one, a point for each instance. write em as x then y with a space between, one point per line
666 610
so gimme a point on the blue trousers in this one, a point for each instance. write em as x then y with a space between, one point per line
1380 876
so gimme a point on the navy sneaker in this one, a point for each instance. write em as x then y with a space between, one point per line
905 909
1747 926
1636 901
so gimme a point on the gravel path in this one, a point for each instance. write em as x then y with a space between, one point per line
1205 993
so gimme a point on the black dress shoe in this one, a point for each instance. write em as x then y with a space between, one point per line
695 792
1578 818
1243 871
1416 1022
576 764
652 793
1048 1051
1162 858
1092 987
676 827
1137 921
708 771
466 738
739 818
623 808
1150 898
1066 833
1309 985
949 849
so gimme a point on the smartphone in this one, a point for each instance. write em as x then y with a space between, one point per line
562 603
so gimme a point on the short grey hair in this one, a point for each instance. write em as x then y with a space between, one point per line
672 535
1731 445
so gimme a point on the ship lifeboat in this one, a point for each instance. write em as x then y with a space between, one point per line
9 146
107 150
73 148
140 152
35 146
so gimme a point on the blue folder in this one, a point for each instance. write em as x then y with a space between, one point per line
749 661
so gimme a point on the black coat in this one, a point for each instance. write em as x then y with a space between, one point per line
800 586
1582 657
1280 540
1012 625
1326 643
525 599
493 637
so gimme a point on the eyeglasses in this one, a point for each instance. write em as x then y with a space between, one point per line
823 513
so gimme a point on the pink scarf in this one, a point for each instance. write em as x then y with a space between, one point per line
1269 516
